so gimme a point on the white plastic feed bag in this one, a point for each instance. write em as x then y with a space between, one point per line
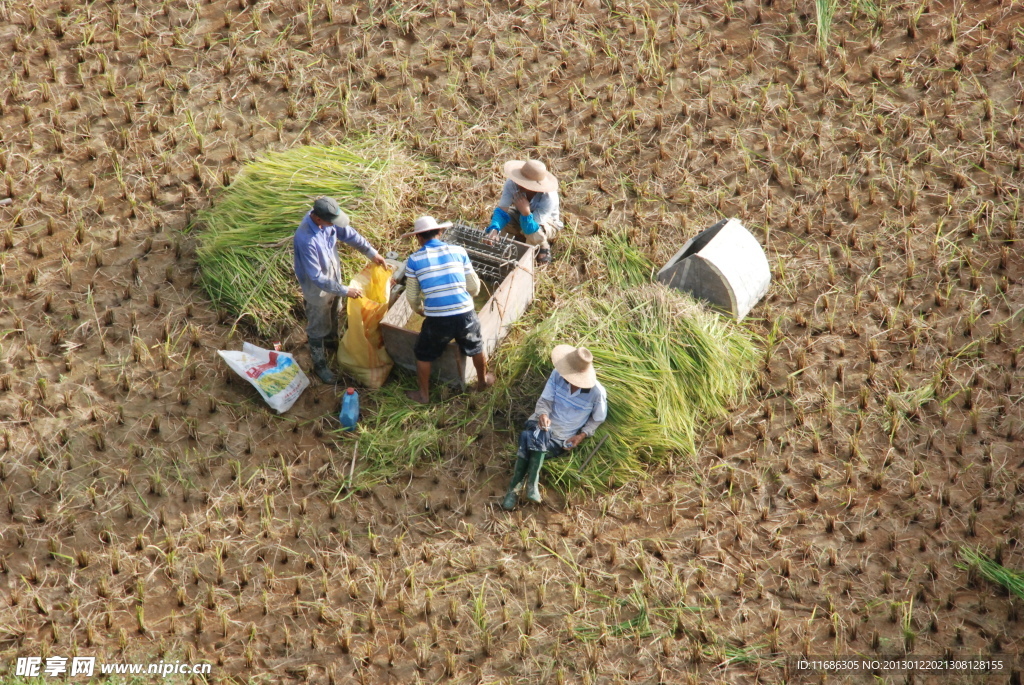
274 374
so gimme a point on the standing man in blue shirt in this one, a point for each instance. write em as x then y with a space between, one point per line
569 411
528 209
319 272
440 284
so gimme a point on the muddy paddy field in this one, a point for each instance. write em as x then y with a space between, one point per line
154 508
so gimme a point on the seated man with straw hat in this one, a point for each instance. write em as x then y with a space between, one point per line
571 407
528 207
440 283
318 270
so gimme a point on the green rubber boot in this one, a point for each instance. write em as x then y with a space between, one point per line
511 498
320 364
533 477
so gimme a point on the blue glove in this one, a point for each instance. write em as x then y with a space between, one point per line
499 219
528 225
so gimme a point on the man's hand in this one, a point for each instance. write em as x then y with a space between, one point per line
379 260
354 293
544 422
490 237
520 202
575 440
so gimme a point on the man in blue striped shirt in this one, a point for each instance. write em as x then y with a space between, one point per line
440 285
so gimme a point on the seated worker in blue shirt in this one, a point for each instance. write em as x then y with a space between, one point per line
528 208
319 272
569 411
440 284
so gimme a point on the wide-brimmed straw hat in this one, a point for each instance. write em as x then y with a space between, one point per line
575 364
532 175
424 224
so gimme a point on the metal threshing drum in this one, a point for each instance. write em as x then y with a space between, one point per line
493 261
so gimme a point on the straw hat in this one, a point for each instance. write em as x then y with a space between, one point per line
424 224
575 364
532 175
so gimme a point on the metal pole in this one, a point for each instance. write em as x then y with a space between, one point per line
590 456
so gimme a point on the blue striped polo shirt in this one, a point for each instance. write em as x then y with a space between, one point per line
441 270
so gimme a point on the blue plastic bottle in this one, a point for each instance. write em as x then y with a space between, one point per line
349 415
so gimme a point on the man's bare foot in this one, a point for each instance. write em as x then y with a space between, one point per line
417 396
487 382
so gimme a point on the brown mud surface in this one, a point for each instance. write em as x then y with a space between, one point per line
155 509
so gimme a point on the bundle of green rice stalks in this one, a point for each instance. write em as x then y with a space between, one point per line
626 264
245 238
1012 581
397 435
669 365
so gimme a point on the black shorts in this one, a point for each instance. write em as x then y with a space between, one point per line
438 331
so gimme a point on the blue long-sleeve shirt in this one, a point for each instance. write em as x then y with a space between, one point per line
316 255
571 412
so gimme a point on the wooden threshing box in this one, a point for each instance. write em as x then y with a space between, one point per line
506 274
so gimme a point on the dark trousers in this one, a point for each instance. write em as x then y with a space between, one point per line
528 442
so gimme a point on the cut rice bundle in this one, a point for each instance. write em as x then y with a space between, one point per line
1012 581
669 366
245 251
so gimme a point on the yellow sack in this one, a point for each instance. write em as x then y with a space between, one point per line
362 352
